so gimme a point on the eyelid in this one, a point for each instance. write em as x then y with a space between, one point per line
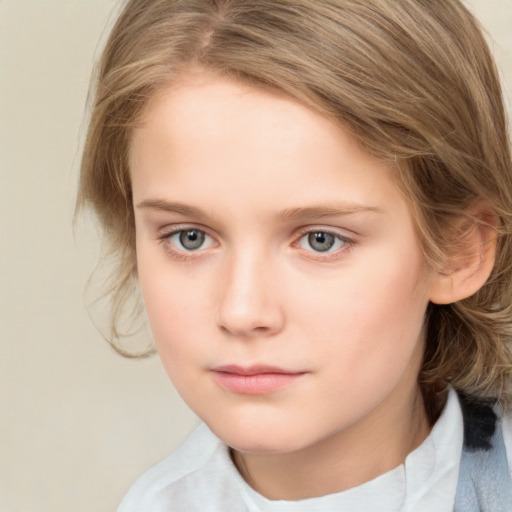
165 234
171 229
337 232
349 242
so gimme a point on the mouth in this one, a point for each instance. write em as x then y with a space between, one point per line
254 380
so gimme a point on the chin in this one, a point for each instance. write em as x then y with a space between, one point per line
260 438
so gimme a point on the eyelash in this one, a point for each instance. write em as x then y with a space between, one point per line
348 244
165 237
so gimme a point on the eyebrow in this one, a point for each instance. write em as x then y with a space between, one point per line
288 214
321 211
173 207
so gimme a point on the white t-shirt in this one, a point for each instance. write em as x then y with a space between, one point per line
200 476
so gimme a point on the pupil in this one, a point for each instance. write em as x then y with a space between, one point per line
191 239
321 242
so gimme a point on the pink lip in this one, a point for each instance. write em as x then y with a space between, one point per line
254 380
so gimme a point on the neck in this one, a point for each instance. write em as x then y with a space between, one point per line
371 447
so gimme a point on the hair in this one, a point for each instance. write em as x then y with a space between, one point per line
412 80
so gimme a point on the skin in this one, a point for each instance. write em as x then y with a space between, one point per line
257 172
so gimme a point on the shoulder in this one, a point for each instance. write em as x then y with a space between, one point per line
484 481
507 436
191 457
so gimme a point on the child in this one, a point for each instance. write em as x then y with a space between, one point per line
315 198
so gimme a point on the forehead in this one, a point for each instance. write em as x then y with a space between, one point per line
210 137
201 103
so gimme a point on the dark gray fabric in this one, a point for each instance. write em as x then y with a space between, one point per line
484 479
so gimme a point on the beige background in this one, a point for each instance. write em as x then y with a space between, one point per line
77 422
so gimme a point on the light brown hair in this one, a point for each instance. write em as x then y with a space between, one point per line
413 81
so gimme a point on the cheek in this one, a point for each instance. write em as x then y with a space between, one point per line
177 331
171 311
366 342
370 320
171 305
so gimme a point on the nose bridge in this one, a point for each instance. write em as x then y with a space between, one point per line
248 304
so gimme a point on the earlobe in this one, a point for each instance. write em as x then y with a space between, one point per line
470 264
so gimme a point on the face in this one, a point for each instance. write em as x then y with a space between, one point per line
279 265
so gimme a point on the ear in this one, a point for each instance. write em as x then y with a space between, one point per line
471 261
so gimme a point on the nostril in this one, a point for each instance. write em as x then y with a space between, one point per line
261 329
241 330
251 326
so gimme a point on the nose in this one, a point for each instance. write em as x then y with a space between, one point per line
249 304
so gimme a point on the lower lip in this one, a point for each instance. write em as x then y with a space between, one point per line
259 384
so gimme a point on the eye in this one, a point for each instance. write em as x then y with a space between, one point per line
322 241
189 240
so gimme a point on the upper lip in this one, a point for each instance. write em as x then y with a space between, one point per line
253 369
